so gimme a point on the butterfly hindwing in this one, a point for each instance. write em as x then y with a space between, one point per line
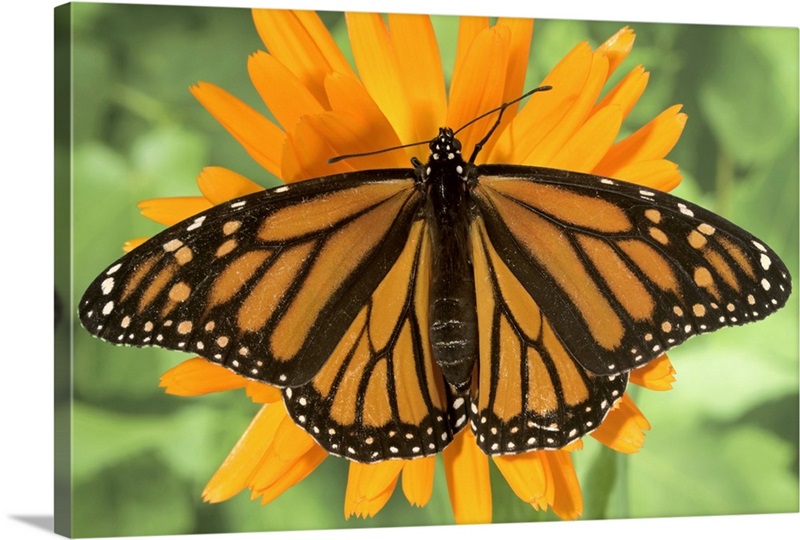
621 271
380 395
266 284
529 392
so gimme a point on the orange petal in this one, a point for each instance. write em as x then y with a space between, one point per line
369 486
290 163
467 471
579 109
368 127
545 110
288 446
133 243
575 445
657 375
590 142
171 210
657 173
617 47
568 500
528 476
626 92
418 480
301 42
309 151
345 135
283 93
235 472
262 393
652 141
623 429
220 185
294 474
421 71
262 139
380 71
478 86
468 30
198 376
519 51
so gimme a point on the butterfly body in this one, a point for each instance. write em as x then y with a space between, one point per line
453 316
396 307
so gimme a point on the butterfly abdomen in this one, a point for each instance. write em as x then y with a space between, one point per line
453 318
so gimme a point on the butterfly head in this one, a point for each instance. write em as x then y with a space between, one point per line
445 147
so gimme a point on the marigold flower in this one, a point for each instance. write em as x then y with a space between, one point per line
324 108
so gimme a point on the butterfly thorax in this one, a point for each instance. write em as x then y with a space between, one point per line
453 320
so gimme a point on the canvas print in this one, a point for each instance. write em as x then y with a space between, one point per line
322 270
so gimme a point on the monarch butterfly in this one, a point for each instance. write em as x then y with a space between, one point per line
395 307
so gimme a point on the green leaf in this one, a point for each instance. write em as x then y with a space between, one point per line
752 123
139 498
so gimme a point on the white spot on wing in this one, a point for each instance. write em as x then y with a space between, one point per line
196 223
107 285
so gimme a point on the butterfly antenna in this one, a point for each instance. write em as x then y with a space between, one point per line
501 109
372 153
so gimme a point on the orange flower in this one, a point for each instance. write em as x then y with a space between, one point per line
324 109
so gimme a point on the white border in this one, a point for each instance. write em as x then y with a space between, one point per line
26 470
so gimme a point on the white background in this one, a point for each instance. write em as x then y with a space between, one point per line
26 177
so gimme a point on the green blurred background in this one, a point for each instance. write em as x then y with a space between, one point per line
724 441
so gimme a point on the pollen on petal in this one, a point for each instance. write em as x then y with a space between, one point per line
198 376
623 429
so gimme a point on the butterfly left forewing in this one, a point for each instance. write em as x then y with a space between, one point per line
529 392
264 285
624 272
380 394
